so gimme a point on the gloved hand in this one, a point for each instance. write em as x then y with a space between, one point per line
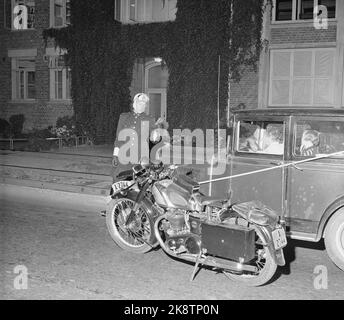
162 123
115 161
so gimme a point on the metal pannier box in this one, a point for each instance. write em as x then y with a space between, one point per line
229 241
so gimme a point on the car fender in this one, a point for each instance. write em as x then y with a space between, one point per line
330 210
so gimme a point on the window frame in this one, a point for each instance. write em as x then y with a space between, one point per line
15 79
244 154
296 4
135 13
291 77
53 93
144 11
298 119
117 3
64 14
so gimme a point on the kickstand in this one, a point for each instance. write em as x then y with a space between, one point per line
196 266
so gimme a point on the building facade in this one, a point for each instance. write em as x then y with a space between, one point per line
150 74
302 64
33 78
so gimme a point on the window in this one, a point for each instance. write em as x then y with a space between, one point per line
60 13
331 7
302 77
317 137
132 10
265 137
23 79
284 10
305 9
118 9
18 22
60 79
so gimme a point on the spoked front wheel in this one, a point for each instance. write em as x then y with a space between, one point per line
135 236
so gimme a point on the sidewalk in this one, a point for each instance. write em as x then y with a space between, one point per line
84 169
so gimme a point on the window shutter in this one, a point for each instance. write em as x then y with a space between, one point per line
323 82
280 72
302 77
302 81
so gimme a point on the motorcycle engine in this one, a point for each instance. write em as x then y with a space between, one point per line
177 232
176 222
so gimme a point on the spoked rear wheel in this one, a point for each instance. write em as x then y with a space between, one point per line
264 262
134 237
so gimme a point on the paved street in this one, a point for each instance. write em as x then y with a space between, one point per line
64 244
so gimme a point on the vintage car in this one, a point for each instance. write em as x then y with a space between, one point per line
309 195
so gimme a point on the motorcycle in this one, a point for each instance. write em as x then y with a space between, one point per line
156 205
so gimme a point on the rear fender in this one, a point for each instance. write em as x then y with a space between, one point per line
277 255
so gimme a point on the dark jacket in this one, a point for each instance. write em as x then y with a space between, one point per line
131 120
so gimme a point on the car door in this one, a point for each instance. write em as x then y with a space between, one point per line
313 186
267 186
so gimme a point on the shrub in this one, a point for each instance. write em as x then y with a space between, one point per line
67 121
40 144
37 140
17 122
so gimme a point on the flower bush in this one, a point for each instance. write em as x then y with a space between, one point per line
67 129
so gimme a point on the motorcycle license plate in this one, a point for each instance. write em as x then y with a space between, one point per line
279 238
120 185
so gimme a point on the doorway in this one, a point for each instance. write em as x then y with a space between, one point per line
156 80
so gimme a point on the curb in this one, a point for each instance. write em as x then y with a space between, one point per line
56 186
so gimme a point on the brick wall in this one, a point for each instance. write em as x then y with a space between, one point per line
302 34
42 112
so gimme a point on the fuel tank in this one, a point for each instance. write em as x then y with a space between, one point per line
170 195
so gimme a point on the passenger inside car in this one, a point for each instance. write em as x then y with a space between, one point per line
318 137
266 138
273 140
310 143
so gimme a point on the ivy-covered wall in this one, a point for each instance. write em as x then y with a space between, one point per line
101 53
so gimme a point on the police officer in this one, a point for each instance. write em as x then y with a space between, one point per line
134 120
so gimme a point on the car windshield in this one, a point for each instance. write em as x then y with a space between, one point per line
265 137
318 137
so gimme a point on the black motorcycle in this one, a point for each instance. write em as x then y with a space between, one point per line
156 205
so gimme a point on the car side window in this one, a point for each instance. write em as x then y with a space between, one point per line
318 137
263 137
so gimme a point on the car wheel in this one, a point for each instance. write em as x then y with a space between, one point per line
334 238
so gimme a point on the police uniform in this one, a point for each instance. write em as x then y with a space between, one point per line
134 121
